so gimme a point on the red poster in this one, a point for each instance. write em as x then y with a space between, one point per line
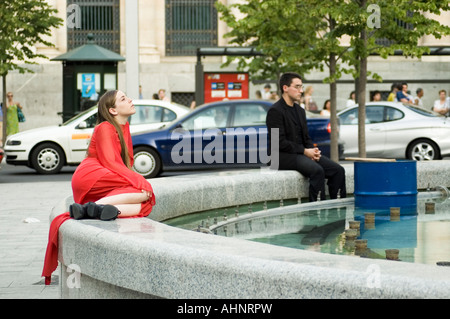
225 86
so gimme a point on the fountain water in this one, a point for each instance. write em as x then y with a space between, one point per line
331 225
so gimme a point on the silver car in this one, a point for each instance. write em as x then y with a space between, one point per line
398 131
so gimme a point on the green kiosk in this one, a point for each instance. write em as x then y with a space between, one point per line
88 72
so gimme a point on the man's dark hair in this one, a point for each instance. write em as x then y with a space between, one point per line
286 79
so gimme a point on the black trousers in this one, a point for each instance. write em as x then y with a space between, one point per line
317 172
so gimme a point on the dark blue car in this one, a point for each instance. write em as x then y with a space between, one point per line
216 135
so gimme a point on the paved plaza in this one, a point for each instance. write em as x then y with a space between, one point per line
24 224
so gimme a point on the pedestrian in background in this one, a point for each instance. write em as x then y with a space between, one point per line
12 118
441 106
403 96
326 108
351 99
395 87
162 95
266 94
141 96
376 96
310 104
418 97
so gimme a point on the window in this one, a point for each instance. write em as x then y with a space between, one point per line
190 24
249 115
350 117
374 114
213 117
147 114
91 121
402 24
393 114
168 115
99 17
183 98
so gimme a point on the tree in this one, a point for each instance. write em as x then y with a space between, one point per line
305 35
294 36
23 23
264 27
400 25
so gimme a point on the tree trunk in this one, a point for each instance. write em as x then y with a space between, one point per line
334 136
4 109
361 100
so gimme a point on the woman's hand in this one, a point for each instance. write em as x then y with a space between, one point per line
148 194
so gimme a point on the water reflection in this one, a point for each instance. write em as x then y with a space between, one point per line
422 236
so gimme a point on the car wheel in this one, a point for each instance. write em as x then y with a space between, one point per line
423 150
146 162
47 158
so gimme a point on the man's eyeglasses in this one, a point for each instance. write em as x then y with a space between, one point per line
298 87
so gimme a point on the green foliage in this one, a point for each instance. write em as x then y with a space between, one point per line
301 35
24 23
279 30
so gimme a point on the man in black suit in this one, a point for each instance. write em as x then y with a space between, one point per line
296 149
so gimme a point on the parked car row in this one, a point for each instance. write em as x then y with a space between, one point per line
168 136
48 149
221 134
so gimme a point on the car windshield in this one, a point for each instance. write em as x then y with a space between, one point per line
420 110
78 116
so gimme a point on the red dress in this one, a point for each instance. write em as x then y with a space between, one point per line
102 173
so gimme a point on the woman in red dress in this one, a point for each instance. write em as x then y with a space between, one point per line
104 186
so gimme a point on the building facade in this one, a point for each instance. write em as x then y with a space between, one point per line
169 31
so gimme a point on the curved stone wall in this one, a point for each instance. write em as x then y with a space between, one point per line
143 258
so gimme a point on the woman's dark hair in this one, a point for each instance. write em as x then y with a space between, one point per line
107 101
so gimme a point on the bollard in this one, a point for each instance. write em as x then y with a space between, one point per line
354 224
351 233
429 207
392 254
395 214
369 220
361 244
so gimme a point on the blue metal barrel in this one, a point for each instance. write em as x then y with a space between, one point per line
381 185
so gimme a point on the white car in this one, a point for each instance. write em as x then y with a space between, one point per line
397 131
48 149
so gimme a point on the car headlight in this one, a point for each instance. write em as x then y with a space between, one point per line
13 142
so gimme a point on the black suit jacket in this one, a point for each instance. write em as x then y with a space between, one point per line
279 117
